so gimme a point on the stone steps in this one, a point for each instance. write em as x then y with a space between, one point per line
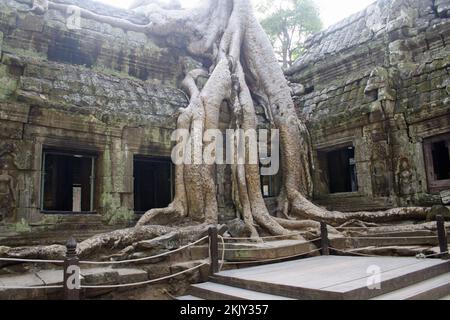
394 251
189 298
331 277
391 239
50 237
58 231
91 277
430 289
237 252
256 253
217 291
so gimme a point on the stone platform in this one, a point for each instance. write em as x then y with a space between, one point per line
332 277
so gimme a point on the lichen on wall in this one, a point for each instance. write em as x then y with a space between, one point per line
377 80
83 90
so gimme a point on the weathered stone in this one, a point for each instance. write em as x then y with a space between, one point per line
237 228
439 210
51 277
357 86
31 23
99 276
128 275
156 271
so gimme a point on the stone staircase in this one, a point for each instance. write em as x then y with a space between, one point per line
401 243
330 277
255 253
81 226
20 286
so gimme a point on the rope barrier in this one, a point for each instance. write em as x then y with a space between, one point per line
31 260
354 253
395 232
418 256
264 248
29 288
223 253
267 237
424 256
223 262
392 232
108 263
354 228
390 238
143 282
145 258
275 259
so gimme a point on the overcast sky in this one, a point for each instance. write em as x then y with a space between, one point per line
331 11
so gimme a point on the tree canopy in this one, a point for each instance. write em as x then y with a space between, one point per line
288 23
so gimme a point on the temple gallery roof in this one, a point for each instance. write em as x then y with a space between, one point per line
370 24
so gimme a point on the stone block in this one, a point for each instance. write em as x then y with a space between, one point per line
51 277
99 276
157 270
36 85
131 275
14 111
138 37
11 130
31 23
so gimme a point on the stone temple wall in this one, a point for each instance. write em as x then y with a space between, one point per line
379 80
97 89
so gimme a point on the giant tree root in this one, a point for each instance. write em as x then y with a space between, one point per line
240 66
102 243
387 229
305 225
396 251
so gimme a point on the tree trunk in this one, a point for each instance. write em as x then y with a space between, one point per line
243 63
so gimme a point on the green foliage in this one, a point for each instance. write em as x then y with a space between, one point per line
288 23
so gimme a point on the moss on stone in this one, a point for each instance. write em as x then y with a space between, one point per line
438 210
48 220
29 54
112 72
113 213
3 71
21 227
8 87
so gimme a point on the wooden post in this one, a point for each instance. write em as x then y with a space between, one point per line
324 241
442 237
213 250
71 271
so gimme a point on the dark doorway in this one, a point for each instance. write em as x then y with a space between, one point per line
153 186
342 170
271 186
67 182
441 160
437 160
